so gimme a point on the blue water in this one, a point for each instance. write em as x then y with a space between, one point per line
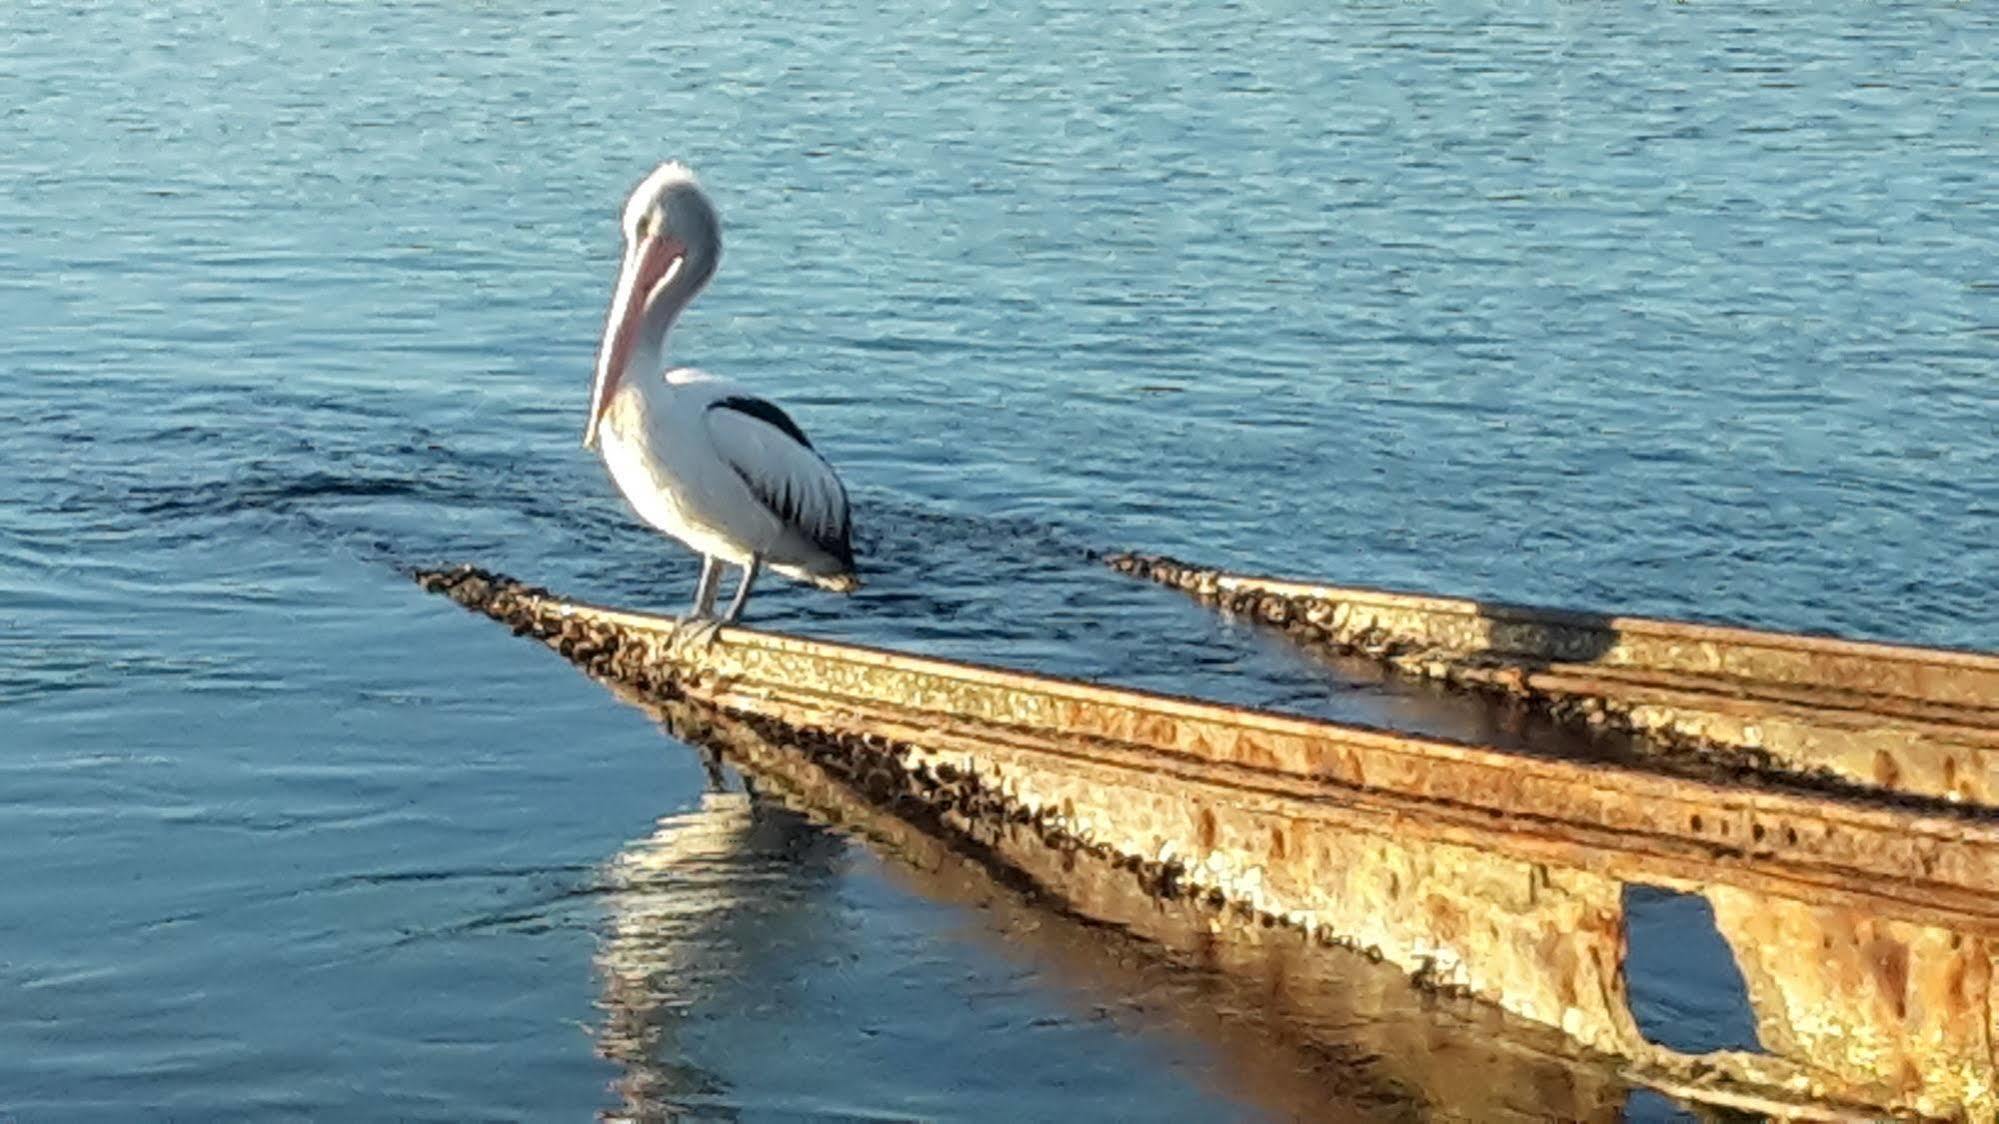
1687 310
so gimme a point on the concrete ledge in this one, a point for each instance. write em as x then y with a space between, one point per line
1866 931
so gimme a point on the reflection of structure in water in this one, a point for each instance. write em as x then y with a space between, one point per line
693 907
1296 1030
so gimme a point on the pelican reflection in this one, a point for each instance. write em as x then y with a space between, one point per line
698 909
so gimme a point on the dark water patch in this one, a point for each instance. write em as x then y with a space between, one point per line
1686 990
387 878
222 498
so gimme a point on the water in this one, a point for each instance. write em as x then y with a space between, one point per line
1686 311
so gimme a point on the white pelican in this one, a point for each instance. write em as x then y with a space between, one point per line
699 457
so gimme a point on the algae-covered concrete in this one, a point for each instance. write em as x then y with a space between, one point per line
1918 721
1865 930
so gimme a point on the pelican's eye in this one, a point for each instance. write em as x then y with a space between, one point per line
648 224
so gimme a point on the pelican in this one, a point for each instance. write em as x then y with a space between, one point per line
700 457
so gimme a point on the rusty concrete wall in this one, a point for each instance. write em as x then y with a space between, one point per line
1919 721
1469 869
1909 1007
1308 1031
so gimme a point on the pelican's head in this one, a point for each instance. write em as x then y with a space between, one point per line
673 241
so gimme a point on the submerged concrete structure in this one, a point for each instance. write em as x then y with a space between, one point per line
1865 920
1907 720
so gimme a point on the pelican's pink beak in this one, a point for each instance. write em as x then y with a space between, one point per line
646 265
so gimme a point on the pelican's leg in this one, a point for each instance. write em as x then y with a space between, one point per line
707 587
704 603
703 632
743 590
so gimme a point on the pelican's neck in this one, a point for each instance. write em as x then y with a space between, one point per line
668 301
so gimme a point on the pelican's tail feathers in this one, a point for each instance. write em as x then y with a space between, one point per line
837 583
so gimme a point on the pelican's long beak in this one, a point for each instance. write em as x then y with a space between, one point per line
647 264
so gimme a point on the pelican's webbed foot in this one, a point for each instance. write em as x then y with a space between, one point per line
692 634
702 636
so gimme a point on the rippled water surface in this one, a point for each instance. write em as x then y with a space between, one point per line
1686 310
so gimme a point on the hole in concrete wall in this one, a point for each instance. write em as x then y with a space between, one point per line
1685 990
